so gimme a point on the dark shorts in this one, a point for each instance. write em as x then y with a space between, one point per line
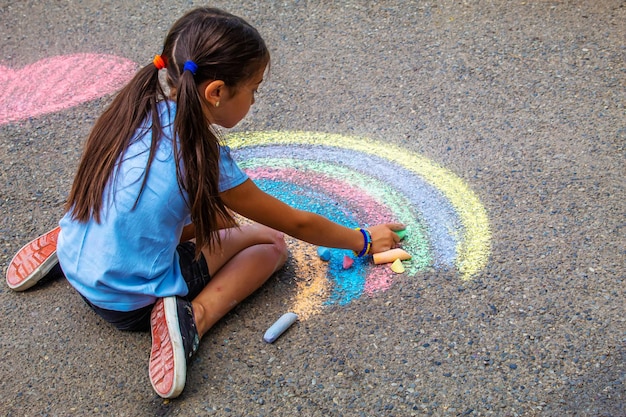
196 275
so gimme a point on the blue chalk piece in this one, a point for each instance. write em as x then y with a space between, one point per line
323 253
279 327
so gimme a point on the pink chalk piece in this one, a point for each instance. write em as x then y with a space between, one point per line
347 262
60 82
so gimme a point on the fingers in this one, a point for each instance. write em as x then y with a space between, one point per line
384 236
396 227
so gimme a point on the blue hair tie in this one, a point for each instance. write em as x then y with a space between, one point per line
191 66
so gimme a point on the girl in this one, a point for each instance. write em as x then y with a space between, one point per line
149 239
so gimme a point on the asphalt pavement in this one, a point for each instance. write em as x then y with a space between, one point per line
511 114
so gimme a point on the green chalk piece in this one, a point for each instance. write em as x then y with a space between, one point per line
401 233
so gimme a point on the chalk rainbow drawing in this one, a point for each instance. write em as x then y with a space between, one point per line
356 181
60 82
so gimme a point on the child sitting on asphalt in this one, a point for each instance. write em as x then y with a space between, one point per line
149 237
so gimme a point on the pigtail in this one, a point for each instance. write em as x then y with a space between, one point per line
108 140
200 152
206 44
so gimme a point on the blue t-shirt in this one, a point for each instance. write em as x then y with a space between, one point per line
129 259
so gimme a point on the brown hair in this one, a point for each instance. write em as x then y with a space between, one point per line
224 47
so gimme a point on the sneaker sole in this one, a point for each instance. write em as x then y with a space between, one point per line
167 367
33 261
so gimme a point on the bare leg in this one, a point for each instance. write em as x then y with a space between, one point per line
246 258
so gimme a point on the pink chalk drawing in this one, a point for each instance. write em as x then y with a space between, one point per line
60 82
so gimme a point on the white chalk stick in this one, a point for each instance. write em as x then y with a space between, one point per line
280 326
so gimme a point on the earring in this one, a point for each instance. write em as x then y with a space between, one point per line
217 104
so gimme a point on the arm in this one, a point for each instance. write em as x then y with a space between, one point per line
251 202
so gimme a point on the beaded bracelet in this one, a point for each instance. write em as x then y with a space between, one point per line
367 242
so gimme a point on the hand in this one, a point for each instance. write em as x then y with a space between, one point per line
384 236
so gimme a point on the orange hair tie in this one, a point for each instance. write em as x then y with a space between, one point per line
159 62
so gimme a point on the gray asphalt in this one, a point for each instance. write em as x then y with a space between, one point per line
523 100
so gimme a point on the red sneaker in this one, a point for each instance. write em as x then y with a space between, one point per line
174 341
33 261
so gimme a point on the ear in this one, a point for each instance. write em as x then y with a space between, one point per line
214 92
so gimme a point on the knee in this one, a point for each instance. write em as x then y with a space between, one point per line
274 239
280 249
